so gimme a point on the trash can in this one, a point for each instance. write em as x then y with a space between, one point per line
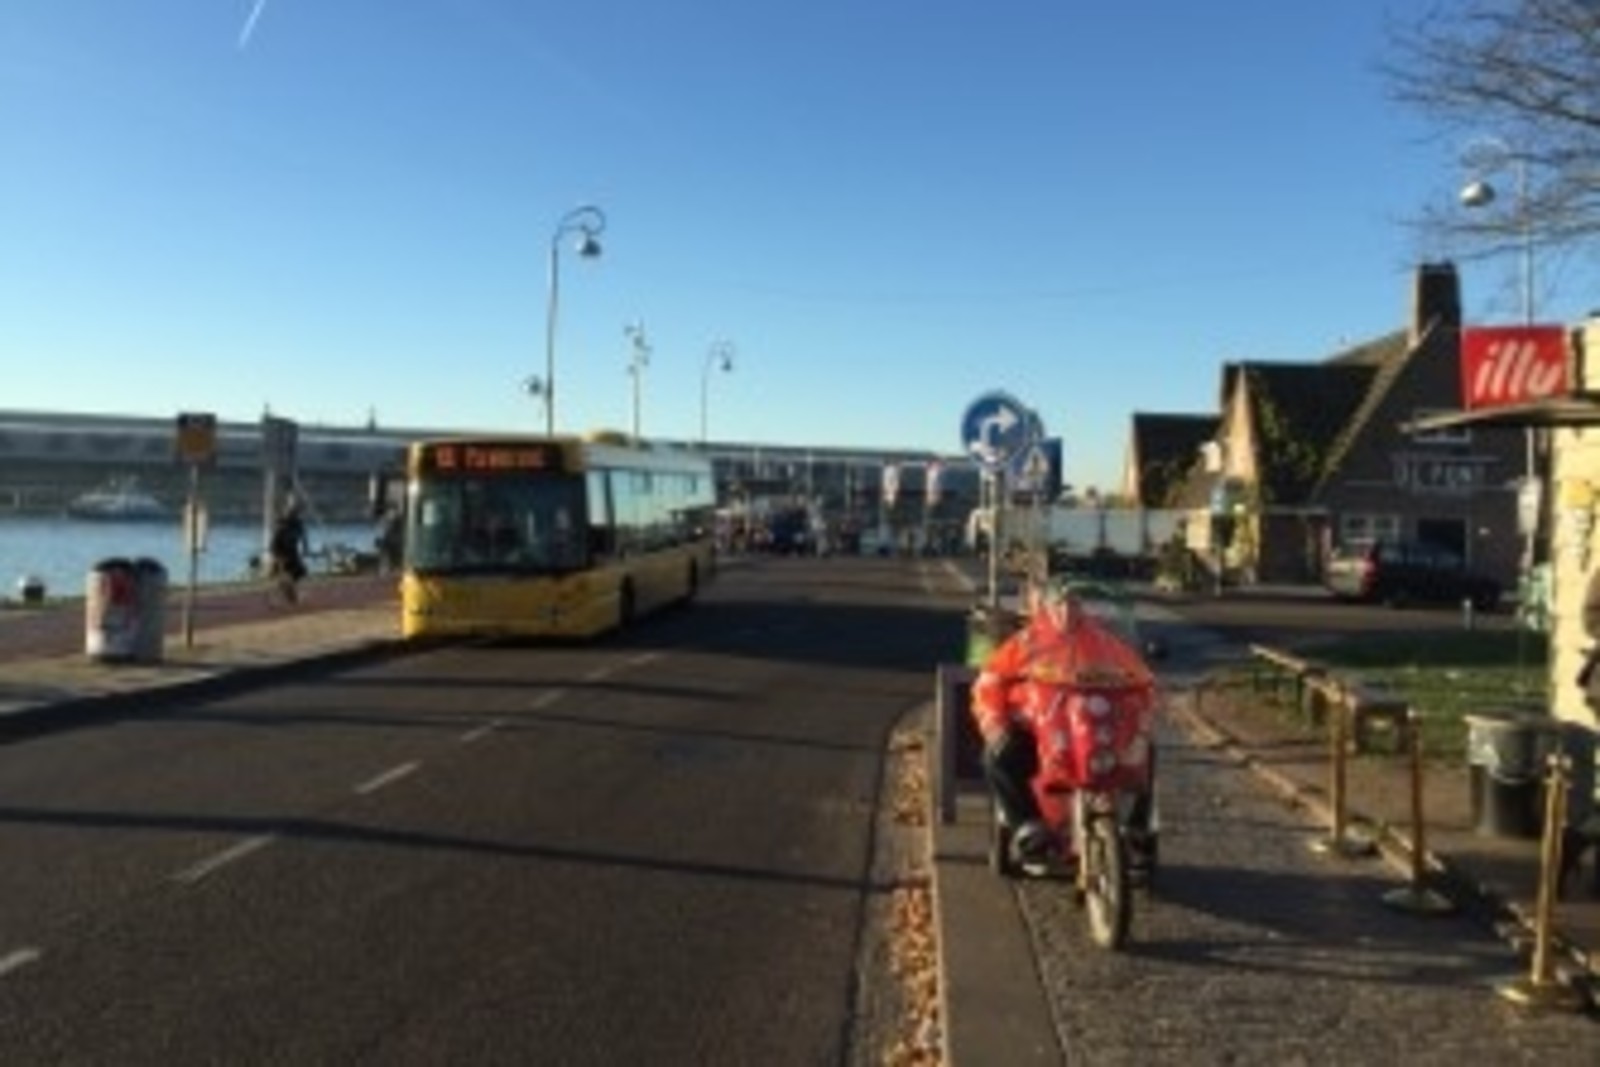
1506 755
30 590
150 596
1580 743
111 611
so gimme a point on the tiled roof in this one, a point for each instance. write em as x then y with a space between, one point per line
1387 356
1165 446
1300 411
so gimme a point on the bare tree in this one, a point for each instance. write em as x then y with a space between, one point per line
1519 79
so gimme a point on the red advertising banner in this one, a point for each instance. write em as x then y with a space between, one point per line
1506 365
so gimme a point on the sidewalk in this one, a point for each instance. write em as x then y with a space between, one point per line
1497 873
45 674
993 1000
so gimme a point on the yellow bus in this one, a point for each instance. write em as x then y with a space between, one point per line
550 536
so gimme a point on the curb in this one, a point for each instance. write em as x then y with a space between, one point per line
56 715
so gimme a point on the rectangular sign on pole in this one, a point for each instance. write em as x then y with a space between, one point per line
196 440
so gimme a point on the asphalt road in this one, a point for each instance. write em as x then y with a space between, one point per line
655 848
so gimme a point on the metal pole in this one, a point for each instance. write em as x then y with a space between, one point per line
996 490
550 335
1416 897
705 394
1339 841
589 221
636 365
1542 988
192 535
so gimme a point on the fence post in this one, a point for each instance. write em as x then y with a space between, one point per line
1339 841
1417 898
1541 988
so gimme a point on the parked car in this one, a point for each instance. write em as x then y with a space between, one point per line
1398 573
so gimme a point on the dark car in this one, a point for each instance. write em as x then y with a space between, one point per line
1398 573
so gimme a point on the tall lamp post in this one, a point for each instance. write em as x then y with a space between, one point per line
637 362
1479 193
720 357
589 222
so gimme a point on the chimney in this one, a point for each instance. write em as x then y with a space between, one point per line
1436 297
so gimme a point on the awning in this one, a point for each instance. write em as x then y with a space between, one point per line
1536 414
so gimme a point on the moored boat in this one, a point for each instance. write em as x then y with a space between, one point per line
121 500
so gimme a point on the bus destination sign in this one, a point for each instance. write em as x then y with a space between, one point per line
491 458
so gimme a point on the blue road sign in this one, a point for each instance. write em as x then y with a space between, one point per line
996 428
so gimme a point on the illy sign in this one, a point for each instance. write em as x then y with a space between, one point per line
1506 365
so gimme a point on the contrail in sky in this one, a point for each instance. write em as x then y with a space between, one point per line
250 23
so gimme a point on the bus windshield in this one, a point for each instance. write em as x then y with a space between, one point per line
497 525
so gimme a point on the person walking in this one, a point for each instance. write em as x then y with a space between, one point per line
288 549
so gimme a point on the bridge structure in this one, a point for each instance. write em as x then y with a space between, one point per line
49 459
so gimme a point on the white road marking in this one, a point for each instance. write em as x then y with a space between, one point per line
599 674
544 700
478 733
644 658
14 961
212 864
388 777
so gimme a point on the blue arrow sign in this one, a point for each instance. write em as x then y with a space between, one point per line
995 428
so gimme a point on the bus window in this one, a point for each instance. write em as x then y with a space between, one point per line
485 526
601 533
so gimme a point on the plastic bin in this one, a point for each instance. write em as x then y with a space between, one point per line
111 611
1507 754
150 595
1580 743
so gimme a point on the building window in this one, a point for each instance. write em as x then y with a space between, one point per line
1365 527
1448 435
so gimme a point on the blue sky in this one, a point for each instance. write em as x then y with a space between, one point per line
344 207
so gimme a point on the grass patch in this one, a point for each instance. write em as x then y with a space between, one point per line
1447 676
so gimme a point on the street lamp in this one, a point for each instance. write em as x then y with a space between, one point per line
533 385
1479 193
721 357
589 222
637 362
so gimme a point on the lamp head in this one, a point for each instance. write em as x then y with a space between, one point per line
1477 194
589 247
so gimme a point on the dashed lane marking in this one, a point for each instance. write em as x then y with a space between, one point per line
388 777
478 733
212 864
18 959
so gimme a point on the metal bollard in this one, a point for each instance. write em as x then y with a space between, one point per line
1469 618
1417 898
1541 988
1339 841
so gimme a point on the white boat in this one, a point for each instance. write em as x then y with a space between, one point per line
121 501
